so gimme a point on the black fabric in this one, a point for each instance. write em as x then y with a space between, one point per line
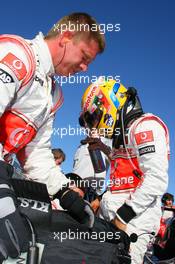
96 249
134 101
39 212
3 251
126 213
13 231
6 172
4 192
76 250
34 201
63 222
14 228
48 224
131 110
72 202
30 190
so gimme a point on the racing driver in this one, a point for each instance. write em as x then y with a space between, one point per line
138 159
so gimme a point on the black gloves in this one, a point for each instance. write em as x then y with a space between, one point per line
76 206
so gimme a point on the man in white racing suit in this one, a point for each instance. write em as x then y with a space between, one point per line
139 160
29 99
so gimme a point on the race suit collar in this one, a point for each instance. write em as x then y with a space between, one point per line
44 54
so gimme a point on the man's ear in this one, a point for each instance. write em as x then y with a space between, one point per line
66 37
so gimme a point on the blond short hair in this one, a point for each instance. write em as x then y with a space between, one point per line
83 25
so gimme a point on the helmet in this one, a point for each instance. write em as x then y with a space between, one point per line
102 103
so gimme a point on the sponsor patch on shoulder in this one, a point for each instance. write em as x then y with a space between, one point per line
144 137
15 64
147 149
5 77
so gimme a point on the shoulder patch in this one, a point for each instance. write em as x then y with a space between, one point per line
15 64
5 77
144 137
146 150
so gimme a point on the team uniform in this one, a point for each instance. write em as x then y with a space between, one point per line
137 200
28 102
29 99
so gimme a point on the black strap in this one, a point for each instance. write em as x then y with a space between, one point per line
31 190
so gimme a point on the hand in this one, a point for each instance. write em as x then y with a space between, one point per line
119 224
76 206
95 205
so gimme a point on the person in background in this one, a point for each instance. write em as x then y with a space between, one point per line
167 200
59 156
168 209
168 212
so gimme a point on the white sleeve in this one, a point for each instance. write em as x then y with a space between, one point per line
153 161
8 89
38 162
9 81
14 66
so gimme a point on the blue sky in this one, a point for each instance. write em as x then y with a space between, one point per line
142 54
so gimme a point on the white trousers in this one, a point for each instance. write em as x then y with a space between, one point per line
147 222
